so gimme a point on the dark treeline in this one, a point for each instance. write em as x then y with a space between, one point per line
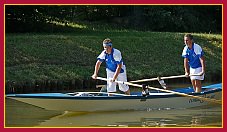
165 18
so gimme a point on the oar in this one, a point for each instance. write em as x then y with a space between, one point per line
162 78
164 90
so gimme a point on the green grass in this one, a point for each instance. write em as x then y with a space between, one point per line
73 55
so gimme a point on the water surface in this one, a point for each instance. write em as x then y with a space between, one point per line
19 114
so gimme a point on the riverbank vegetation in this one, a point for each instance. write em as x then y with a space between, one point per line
57 46
73 56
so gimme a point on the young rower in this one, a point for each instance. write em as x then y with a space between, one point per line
115 67
194 62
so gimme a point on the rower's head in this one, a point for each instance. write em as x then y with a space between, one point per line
107 45
188 40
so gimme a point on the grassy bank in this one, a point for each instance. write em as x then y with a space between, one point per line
73 56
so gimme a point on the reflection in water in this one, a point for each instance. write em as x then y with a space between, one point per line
23 115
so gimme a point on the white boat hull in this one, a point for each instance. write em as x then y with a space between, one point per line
108 103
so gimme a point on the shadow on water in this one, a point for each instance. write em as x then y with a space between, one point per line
19 114
23 115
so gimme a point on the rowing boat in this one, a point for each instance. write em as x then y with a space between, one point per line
101 101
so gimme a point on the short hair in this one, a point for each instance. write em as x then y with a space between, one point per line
189 36
107 40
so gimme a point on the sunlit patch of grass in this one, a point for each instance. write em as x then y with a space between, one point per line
75 25
69 24
214 39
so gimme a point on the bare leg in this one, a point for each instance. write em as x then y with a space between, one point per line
110 93
198 86
127 92
194 84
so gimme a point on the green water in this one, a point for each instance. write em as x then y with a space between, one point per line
18 114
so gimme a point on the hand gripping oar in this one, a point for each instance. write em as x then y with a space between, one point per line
164 90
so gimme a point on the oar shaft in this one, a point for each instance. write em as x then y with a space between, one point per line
162 78
154 79
188 95
164 90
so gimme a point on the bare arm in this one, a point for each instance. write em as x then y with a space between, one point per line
202 61
97 66
117 72
186 66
